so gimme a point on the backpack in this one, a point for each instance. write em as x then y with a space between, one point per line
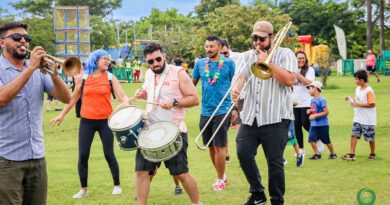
79 102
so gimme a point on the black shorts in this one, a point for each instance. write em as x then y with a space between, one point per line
371 68
220 139
177 165
50 98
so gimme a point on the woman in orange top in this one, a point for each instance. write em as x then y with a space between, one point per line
95 111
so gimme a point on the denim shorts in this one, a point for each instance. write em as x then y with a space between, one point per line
319 132
368 131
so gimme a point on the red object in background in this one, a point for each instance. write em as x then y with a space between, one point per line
305 39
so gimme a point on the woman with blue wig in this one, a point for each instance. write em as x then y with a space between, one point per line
95 111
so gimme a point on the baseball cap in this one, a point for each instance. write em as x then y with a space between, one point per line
262 28
316 84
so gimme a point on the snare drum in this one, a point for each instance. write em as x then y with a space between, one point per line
126 123
160 141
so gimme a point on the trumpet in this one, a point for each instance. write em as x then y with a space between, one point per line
71 66
260 70
263 70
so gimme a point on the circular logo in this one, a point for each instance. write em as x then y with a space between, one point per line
366 196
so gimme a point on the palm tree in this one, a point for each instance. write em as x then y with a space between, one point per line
369 25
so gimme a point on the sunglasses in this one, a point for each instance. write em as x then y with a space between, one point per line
18 37
256 38
151 61
225 53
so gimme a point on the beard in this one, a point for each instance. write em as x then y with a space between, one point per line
15 53
211 55
159 71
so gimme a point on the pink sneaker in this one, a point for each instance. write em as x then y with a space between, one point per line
219 185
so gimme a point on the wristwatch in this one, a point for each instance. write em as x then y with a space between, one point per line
175 102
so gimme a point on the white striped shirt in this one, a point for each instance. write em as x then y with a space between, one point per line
268 101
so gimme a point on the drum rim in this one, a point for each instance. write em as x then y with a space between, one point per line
125 128
153 149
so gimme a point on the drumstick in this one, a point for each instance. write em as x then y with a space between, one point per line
144 101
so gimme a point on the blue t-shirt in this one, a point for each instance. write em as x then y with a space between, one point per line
213 94
317 105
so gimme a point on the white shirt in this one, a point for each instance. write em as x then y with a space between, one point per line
300 92
364 115
268 101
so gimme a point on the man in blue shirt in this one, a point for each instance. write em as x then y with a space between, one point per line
216 73
23 176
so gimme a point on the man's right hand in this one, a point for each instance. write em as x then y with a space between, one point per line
36 56
234 95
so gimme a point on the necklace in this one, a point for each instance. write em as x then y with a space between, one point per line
214 79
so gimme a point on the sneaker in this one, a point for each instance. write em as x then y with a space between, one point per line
219 185
349 157
320 146
315 157
80 194
300 160
178 190
256 200
372 157
227 159
285 162
225 179
379 80
117 190
333 156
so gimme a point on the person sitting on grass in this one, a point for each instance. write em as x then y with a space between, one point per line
319 125
364 119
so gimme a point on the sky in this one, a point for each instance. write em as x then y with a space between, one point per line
136 9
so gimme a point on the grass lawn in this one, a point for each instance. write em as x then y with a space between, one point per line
317 182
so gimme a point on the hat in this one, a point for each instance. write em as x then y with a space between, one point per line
262 28
316 84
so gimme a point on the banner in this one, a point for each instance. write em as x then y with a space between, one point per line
341 43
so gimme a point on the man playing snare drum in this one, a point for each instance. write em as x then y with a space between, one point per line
172 89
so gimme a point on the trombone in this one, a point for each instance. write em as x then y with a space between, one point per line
261 70
71 66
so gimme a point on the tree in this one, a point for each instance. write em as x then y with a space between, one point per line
369 25
235 23
44 7
208 6
103 33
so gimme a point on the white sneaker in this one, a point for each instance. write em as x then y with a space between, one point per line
80 194
320 146
117 190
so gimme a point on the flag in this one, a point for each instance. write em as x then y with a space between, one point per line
341 43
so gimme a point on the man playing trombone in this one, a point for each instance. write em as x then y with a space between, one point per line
216 73
267 110
23 176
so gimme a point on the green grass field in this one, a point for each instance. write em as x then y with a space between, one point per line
317 182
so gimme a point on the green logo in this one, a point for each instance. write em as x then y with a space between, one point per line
366 196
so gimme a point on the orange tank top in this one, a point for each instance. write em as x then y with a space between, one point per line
96 99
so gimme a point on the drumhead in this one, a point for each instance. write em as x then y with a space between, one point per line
157 135
125 118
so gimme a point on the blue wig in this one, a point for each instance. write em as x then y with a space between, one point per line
91 63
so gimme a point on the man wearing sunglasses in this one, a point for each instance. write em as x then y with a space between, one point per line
172 89
266 114
23 176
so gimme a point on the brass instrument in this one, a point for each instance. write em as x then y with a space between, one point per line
71 66
260 70
263 70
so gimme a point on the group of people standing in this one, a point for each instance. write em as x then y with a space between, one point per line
266 112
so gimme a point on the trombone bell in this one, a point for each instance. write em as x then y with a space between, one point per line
261 70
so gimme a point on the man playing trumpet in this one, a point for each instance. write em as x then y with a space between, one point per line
23 176
266 114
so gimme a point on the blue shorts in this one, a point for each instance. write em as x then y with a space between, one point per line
368 131
320 132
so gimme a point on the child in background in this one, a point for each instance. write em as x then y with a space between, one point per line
293 141
319 125
364 119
